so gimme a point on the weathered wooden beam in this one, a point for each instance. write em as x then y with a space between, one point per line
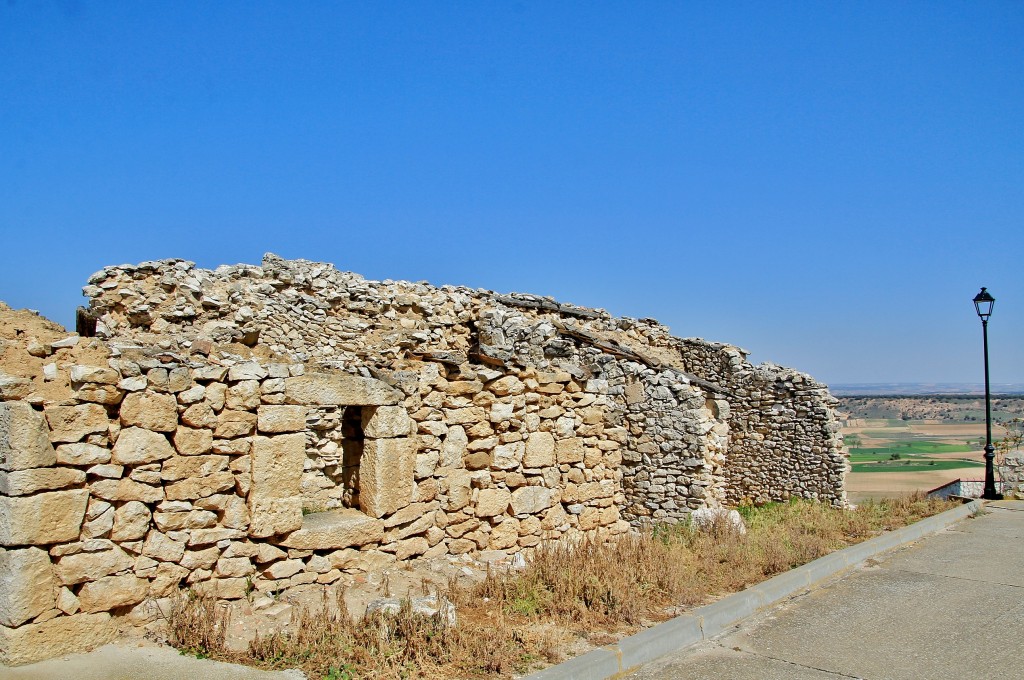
547 306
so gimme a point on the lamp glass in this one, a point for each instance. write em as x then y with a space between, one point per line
983 303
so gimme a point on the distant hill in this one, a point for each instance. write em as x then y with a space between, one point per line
910 389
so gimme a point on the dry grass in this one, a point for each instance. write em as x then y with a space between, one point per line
593 590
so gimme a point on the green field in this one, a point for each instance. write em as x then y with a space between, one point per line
910 448
913 465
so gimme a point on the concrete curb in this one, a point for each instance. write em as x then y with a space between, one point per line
706 622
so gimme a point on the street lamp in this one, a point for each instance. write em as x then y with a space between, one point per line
983 303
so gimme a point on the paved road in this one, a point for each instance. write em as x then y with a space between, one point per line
950 605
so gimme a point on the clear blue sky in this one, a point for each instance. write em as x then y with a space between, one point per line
826 184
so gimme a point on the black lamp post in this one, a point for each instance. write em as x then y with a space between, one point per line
983 303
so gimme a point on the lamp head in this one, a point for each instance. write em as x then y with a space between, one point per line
983 303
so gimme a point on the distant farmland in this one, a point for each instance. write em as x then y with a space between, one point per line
901 443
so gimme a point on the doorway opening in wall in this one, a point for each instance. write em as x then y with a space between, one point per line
330 479
352 447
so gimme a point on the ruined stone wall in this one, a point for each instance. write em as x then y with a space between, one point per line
785 438
164 471
262 429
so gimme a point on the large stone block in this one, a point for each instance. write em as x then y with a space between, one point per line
492 502
111 592
327 389
131 521
200 487
137 446
530 500
72 423
272 516
185 467
53 517
150 410
58 636
276 476
82 454
90 566
386 471
279 419
540 450
569 450
508 456
387 422
335 529
126 490
193 442
27 586
24 482
24 437
231 424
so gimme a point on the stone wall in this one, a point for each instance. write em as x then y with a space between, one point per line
262 429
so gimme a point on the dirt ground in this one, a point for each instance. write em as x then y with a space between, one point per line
864 485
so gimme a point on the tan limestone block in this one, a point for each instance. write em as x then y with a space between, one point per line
243 396
24 437
492 502
184 467
386 471
387 422
200 487
505 535
110 592
554 518
161 547
131 521
410 513
453 447
72 423
467 387
82 454
94 374
234 567
199 415
51 517
334 530
460 489
151 411
56 637
27 585
531 500
192 442
589 519
460 546
508 456
126 490
270 516
328 389
136 446
507 385
411 547
24 482
225 588
217 534
90 566
569 450
276 465
202 559
232 424
280 419
465 416
100 394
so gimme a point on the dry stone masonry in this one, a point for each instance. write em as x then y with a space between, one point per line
265 429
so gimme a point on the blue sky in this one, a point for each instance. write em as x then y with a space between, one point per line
826 184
